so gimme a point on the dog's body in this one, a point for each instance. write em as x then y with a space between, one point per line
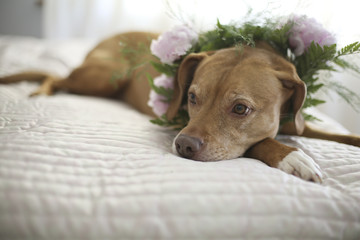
236 99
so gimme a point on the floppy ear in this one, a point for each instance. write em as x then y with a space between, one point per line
183 80
290 80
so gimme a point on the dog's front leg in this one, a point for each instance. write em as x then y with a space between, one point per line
289 159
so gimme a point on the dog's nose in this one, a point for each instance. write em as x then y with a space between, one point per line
188 146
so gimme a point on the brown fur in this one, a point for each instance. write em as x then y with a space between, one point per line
93 76
262 149
256 77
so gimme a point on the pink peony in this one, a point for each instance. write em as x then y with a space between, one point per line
156 101
164 81
306 30
173 44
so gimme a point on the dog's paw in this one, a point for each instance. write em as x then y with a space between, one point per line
41 91
301 165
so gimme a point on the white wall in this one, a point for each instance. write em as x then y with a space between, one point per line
20 17
98 19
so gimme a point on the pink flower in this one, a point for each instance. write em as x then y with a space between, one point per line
164 81
156 101
304 31
173 44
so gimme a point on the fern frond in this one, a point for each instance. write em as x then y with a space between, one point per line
312 102
169 70
346 65
313 88
316 58
349 49
345 93
177 123
310 118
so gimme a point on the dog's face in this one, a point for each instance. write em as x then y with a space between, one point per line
235 99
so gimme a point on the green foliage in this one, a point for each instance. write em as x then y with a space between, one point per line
312 102
169 70
318 58
346 65
314 59
353 48
309 117
178 122
349 49
225 36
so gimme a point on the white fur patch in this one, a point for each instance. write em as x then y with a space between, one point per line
301 165
173 146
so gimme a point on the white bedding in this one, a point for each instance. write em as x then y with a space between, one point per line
76 167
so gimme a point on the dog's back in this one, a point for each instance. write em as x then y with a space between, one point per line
116 67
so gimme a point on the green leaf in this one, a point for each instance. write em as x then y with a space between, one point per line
169 70
349 49
177 123
309 117
313 88
312 102
314 59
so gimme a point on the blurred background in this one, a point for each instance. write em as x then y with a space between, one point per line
96 19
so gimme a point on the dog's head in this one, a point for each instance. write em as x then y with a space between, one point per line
235 98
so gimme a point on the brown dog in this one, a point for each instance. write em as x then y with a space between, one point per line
236 99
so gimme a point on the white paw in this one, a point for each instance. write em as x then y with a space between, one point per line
302 166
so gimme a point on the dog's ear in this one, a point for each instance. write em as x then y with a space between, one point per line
183 80
290 80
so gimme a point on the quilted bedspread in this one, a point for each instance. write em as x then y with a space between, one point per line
77 167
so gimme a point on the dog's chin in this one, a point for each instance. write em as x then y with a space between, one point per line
210 156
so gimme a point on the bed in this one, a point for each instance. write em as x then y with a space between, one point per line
78 167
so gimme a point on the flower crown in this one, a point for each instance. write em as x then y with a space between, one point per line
301 40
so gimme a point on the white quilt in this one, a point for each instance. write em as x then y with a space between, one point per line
76 167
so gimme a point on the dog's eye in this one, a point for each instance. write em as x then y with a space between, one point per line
192 98
241 109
